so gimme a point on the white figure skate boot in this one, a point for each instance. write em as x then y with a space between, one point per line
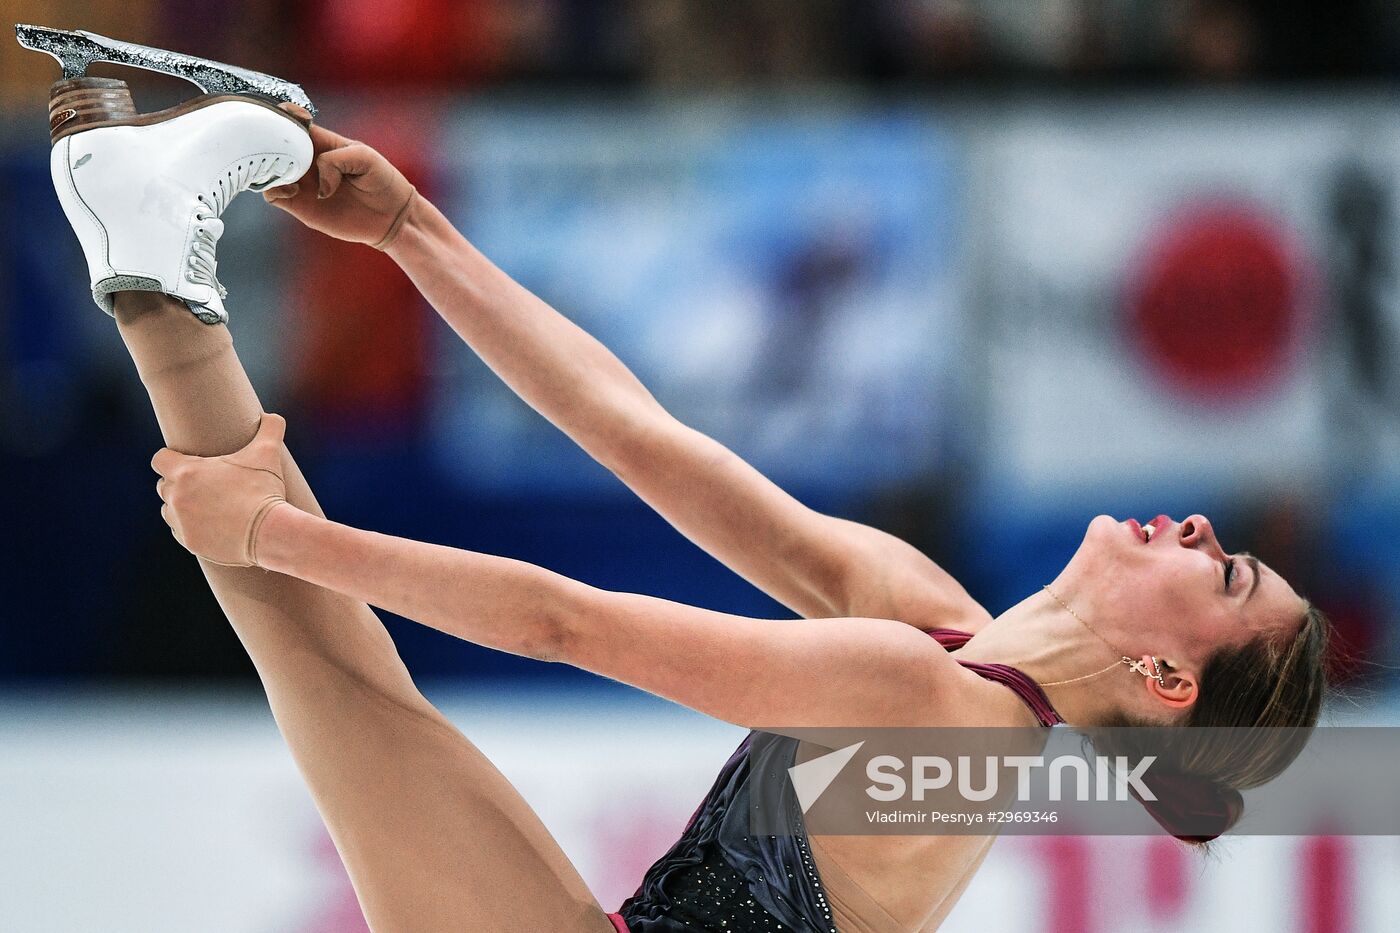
144 191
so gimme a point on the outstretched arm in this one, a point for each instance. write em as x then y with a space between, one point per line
754 673
818 565
828 672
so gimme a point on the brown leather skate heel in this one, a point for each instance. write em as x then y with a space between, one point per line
77 104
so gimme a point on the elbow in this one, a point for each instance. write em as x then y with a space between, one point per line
544 643
552 632
644 436
581 626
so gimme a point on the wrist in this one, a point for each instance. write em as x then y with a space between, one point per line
279 536
397 224
421 226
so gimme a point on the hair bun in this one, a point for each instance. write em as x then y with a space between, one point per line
1192 808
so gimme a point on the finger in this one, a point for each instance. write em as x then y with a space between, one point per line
324 140
266 446
336 164
321 138
281 192
271 430
166 460
298 111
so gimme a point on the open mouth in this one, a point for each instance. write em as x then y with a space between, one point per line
1148 531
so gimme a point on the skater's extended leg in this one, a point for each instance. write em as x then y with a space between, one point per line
434 837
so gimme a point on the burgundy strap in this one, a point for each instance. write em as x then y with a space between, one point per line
1028 690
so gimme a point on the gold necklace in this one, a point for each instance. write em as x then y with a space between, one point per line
1155 673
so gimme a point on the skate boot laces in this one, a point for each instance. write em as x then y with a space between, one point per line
250 174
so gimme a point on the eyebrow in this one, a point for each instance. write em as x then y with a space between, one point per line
1254 565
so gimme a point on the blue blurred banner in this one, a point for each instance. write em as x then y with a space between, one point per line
783 279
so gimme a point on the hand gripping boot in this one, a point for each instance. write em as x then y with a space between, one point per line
144 191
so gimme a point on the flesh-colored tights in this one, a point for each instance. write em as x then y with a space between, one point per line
434 837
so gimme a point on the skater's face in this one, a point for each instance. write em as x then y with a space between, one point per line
1169 589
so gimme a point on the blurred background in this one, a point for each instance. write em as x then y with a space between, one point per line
972 271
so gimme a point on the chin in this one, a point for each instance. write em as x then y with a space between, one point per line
1104 530
1101 548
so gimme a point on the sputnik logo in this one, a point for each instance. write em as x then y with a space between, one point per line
811 778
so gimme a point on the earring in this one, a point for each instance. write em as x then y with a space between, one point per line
1154 674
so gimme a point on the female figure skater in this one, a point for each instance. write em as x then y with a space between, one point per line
1151 624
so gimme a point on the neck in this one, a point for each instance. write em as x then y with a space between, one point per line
1041 638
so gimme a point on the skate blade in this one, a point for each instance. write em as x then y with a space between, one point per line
77 50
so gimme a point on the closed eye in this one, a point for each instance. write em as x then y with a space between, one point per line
1231 569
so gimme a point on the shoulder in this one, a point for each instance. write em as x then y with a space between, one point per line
935 690
965 699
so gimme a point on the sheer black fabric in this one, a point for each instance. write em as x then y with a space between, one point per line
720 878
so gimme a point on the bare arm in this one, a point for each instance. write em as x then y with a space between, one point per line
816 564
850 672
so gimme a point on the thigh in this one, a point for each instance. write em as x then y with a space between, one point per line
433 835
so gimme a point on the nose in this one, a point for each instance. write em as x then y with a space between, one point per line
1197 531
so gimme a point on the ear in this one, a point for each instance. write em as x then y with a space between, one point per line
1180 690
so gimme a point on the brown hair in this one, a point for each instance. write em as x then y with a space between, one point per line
1274 687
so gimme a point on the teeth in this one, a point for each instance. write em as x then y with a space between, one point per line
1148 530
